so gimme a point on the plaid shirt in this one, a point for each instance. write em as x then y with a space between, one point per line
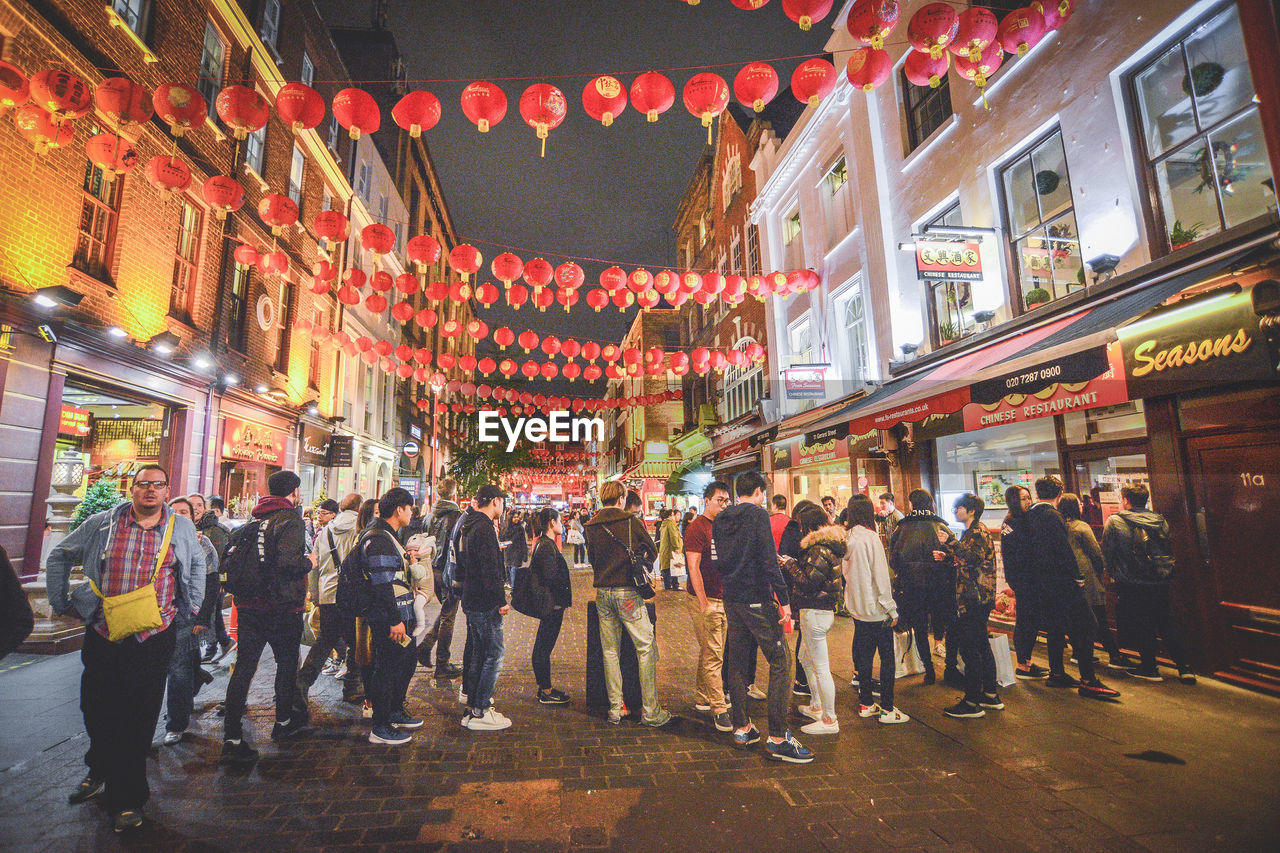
128 563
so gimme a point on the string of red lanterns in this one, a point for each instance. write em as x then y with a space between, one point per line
516 402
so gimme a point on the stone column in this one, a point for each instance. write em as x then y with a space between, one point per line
55 634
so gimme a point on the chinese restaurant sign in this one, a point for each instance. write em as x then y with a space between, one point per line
252 443
73 421
825 445
806 381
1083 380
948 261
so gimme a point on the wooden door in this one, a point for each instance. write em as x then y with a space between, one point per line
1237 502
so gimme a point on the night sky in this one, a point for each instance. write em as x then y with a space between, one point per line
608 193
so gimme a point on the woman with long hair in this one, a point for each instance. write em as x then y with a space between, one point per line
548 570
1089 558
517 550
868 593
1018 571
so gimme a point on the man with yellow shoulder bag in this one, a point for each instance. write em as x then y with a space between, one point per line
144 567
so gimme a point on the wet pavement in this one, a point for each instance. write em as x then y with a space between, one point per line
1168 767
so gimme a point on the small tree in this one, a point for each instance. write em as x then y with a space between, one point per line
475 463
103 494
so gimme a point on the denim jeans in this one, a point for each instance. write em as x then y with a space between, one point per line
182 678
621 607
751 624
484 632
1145 618
814 626
258 629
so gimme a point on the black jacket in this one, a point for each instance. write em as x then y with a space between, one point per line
551 571
16 618
748 562
911 552
608 559
209 526
1054 573
480 563
789 541
386 563
286 555
518 551
1013 554
817 582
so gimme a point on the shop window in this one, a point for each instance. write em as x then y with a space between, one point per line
297 169
926 109
1108 423
185 256
308 75
1041 221
238 303
270 29
255 149
753 250
837 202
112 435
792 245
99 210
988 461
284 322
1203 143
135 13
213 58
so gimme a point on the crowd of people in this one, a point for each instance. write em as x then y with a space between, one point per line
364 575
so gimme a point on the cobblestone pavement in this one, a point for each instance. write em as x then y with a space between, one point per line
1169 767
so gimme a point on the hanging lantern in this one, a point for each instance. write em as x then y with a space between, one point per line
376 303
868 68
604 99
719 361
755 286
277 211
438 291
543 299
331 225
591 351
679 363
478 329
871 21
597 299
570 348
324 271
592 372
666 282
528 340
712 283
63 95
702 297
543 107
705 96
168 174
300 106
978 28
402 312
570 275
921 69
15 88
180 106
551 346
460 291
246 255
517 295
734 286
806 12
273 263
571 371
639 281
242 110
538 273
416 112
222 193
652 94
548 371
484 104
1054 12
1021 30
487 294
755 352
506 268
567 298
357 112
404 371
613 278
690 282
468 362
465 260
381 281
802 281
422 251
932 28
123 102
426 318
504 337
407 284
755 85
354 278
450 329
383 348
529 369
39 128
377 239
447 361
623 299
979 71
813 80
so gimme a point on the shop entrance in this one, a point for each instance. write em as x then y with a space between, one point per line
1098 473
1237 502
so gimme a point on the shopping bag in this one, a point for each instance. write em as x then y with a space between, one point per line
904 652
1004 659
677 566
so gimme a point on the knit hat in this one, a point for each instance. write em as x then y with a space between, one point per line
330 505
281 484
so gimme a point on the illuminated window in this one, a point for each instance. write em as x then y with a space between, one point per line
213 58
297 169
182 293
241 280
284 321
99 210
135 13
255 149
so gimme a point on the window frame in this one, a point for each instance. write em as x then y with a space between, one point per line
182 300
298 164
238 325
260 154
741 387
307 69
208 86
854 291
287 297
123 7
269 27
109 211
315 358
913 110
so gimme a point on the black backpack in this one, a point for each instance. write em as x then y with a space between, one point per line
243 566
441 527
355 587
1152 552
529 595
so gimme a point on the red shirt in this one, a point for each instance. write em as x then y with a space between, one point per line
697 540
130 561
778 523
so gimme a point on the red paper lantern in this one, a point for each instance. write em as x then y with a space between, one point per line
604 99
597 299
570 348
543 299
402 312
806 12
224 194
591 350
486 365
549 371
871 21
652 94
690 282
666 282
460 291
613 278
702 297
478 329
868 68
506 268
376 303
487 294
382 282
978 28
446 361
426 318
377 239
39 128
648 299
528 339
543 107
484 104
422 251
467 362
570 275
404 371
571 371
277 211
921 69
755 85
813 80
324 271
331 225
705 96
639 281
63 95
932 28
364 343
451 329
517 295
719 361
623 299
300 106
168 174
357 112
354 278
1053 11
242 109
529 369
504 337
979 71
124 102
538 273
551 345
383 348
246 255
748 5
734 285
180 106
1021 30
679 363
755 352
712 283
438 291
465 260
416 112
802 281
15 88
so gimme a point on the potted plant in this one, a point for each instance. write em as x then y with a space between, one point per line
947 333
1184 235
1036 296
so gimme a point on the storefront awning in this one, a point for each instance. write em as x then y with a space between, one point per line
655 468
690 478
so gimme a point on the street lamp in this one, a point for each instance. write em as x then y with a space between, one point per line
55 295
164 343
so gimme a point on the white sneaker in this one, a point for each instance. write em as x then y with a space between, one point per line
492 721
821 727
701 707
809 711
754 692
171 738
341 672
462 697
330 667
895 716
872 710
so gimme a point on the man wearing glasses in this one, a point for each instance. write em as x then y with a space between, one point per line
121 550
708 620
